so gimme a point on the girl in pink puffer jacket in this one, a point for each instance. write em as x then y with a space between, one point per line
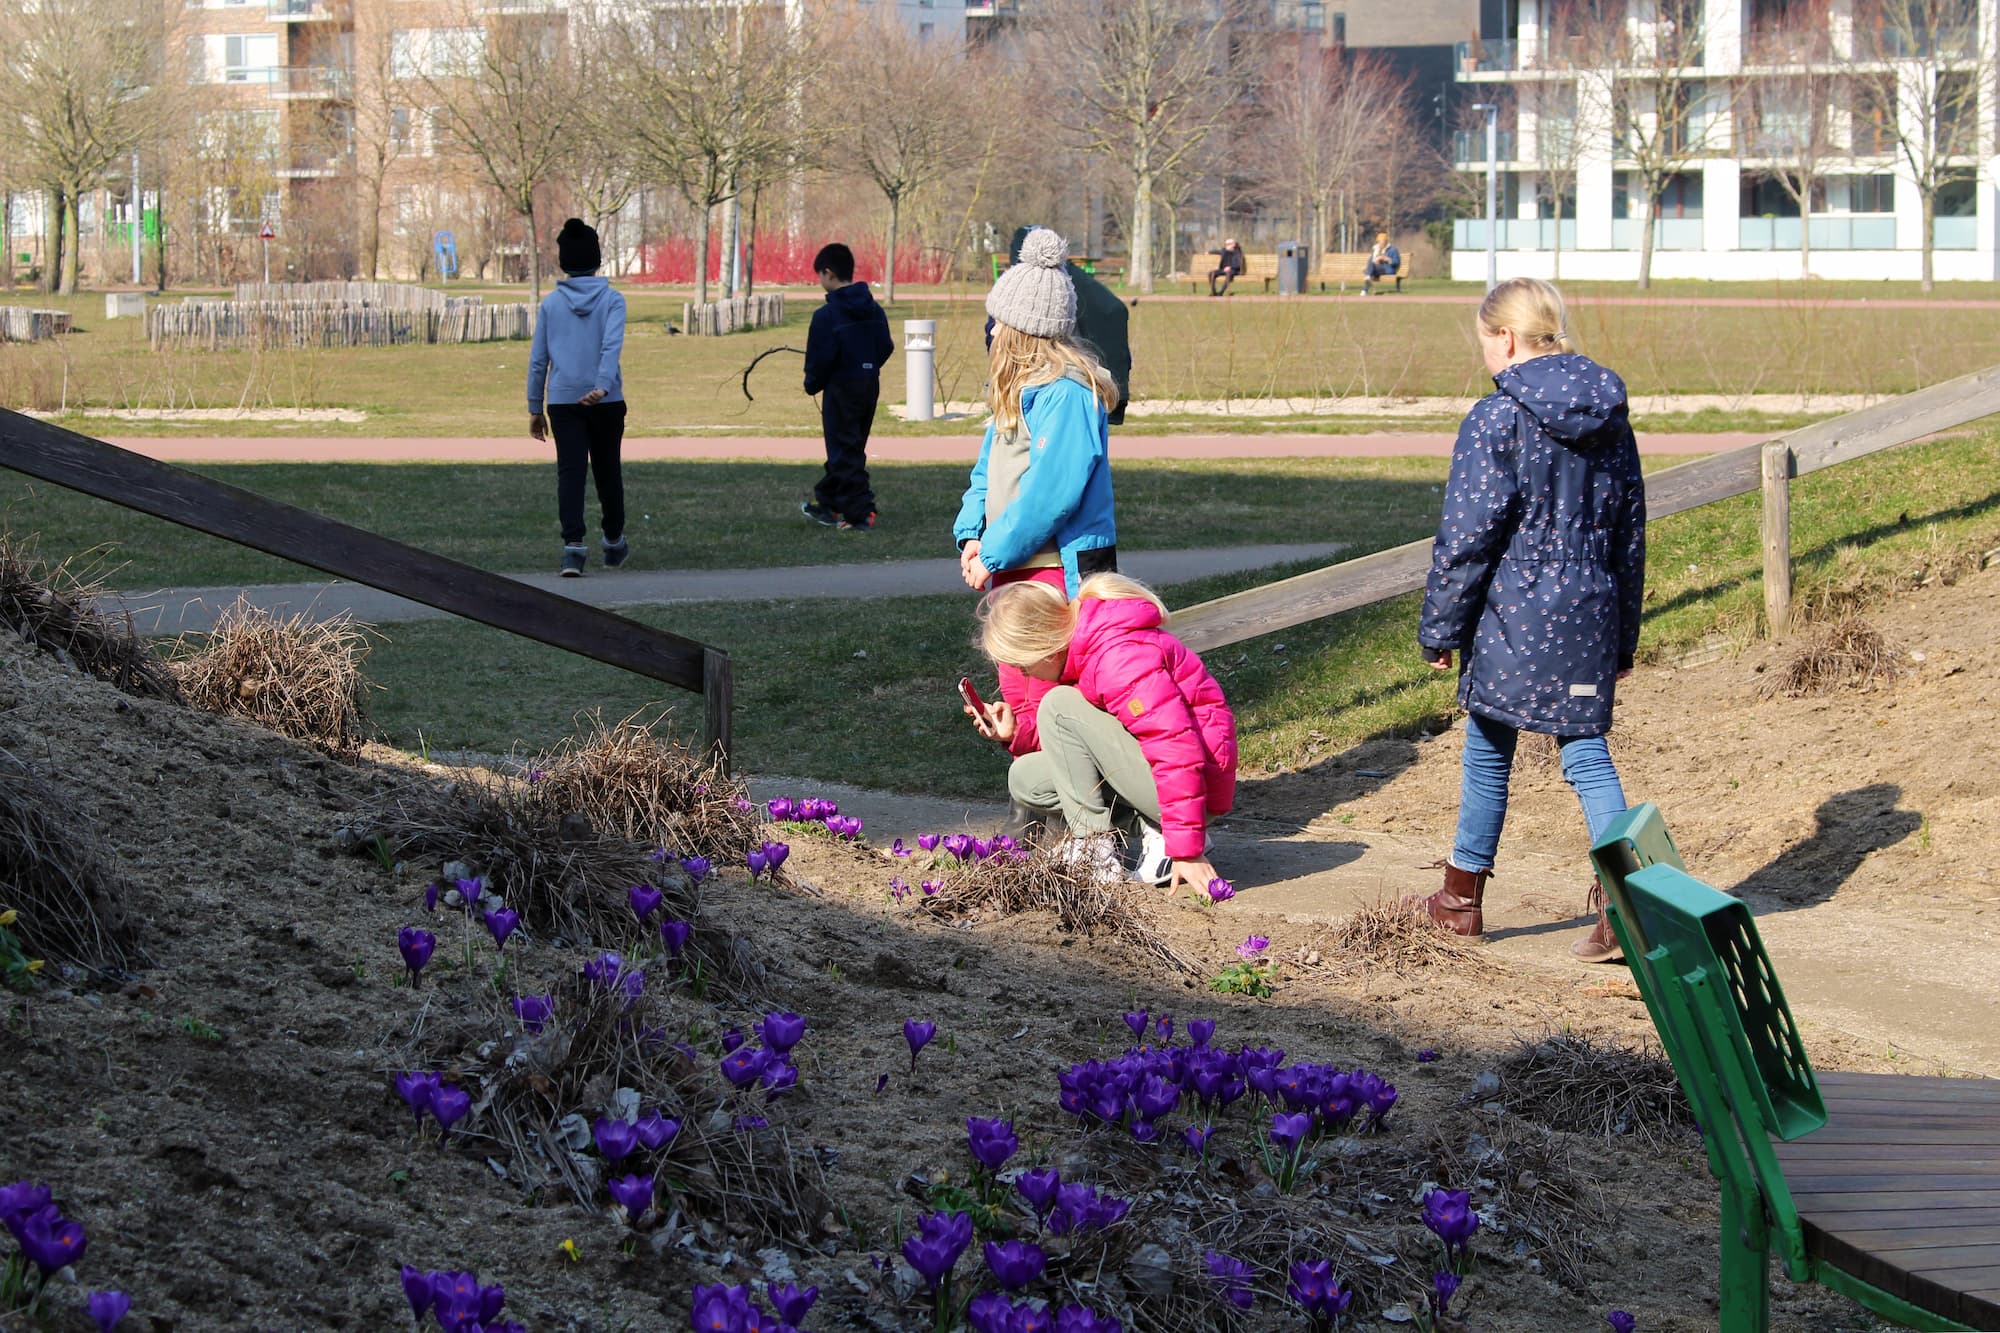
1135 723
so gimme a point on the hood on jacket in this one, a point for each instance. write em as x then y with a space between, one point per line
1100 620
853 300
1574 398
582 295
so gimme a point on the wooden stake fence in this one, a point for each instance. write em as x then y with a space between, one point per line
23 324
732 316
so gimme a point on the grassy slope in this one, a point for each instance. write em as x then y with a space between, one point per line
1182 350
862 691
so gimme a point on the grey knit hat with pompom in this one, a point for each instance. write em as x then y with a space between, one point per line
1036 295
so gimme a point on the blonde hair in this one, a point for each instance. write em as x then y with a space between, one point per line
1533 309
1381 238
1021 360
1022 623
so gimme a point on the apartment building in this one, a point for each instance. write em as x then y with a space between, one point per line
1757 88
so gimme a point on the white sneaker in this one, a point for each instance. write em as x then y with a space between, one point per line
1153 865
1094 855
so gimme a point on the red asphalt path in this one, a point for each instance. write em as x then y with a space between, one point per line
961 448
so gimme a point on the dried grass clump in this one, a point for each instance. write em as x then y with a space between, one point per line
299 677
1388 936
565 876
535 1094
53 872
1580 1086
1040 881
629 779
1526 1177
1850 652
58 610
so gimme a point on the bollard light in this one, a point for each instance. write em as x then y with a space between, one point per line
919 358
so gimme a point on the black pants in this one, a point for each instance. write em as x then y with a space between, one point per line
1228 275
1379 271
846 412
587 440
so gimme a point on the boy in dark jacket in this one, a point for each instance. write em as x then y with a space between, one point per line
845 350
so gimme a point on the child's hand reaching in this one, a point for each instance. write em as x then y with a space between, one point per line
1194 874
996 723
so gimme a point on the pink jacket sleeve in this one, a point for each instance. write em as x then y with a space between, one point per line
1132 683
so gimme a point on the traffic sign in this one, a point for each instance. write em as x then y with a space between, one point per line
268 234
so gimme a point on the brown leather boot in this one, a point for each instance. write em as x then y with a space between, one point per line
1456 906
1601 944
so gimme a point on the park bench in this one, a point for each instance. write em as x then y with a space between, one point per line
1261 269
1342 270
1885 1188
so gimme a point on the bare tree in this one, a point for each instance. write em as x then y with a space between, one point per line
1667 115
507 92
1144 84
708 97
901 103
75 80
1922 68
1325 112
1545 113
1790 90
386 129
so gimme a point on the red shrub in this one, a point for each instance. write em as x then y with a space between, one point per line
787 260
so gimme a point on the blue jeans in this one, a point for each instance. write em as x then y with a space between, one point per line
1482 797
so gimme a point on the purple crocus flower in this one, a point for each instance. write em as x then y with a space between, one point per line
415 1088
106 1308
731 1038
1165 1027
1449 1215
782 807
534 1010
1080 1319
1252 948
992 1141
928 841
1138 1021
918 1032
1232 1276
941 1238
1621 1322
431 891
645 899
500 924
897 848
1426 1056
1195 1139
1313 1287
1015 1263
782 1031
1220 890
468 891
756 861
616 1139
697 867
1039 1188
990 1312
791 1302
416 946
50 1241
745 1065
417 1290
931 887
1201 1031
1289 1131
450 1104
746 1123
18 1200
780 1077
632 1193
674 935
881 1082
776 852
655 1131
1444 1286
720 1308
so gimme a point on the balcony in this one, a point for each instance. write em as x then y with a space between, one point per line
1955 233
312 83
1839 231
1483 57
300 11
1513 234
519 8
992 9
1468 147
247 74
309 164
1960 41
1668 234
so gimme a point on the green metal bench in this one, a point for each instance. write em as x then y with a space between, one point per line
1880 1187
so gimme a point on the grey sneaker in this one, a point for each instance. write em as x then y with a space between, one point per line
820 514
615 553
573 560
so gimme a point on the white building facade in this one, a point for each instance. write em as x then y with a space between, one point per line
1724 216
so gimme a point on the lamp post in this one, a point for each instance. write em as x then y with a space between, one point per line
138 213
1492 111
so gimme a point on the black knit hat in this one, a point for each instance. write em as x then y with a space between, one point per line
577 250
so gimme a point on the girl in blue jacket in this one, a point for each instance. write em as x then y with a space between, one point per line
1536 581
1039 503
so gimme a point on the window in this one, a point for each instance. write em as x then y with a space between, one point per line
1340 28
438 53
235 58
1766 196
1856 194
1955 199
400 140
925 31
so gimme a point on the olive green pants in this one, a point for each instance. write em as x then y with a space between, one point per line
1089 769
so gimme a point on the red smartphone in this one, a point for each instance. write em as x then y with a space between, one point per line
970 695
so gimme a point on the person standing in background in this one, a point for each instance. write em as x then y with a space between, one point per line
846 348
576 392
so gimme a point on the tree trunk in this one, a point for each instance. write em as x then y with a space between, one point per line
371 230
534 250
6 240
72 243
701 256
1930 237
732 214
1805 242
750 245
1140 267
1646 242
889 276
1557 240
52 240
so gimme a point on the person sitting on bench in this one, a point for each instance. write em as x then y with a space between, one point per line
1383 261
1228 267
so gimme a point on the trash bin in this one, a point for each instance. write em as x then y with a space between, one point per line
1292 262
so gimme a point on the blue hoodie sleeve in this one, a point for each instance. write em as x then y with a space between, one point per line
1479 504
538 362
822 350
1628 557
612 344
971 519
1068 449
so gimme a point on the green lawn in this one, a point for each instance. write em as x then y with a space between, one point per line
1185 349
725 515
862 691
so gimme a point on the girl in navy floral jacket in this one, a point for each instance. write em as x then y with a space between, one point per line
1536 582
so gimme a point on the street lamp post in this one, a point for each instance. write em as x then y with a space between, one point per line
1492 111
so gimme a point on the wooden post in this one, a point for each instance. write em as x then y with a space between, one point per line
718 692
1777 534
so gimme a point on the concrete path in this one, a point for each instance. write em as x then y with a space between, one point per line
1175 290
193 610
960 448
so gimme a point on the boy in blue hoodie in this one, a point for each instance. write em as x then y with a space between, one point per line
845 350
576 393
